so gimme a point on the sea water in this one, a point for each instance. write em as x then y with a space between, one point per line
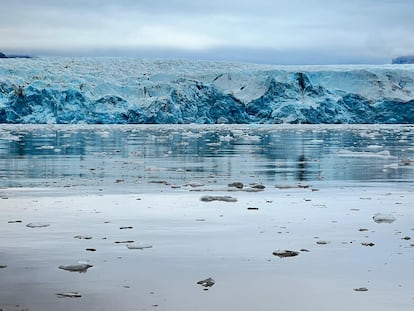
119 158
326 187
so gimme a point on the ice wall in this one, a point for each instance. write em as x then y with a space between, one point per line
119 90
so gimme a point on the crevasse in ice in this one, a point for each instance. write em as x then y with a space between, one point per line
127 90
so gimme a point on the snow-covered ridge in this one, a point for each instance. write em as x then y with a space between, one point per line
125 90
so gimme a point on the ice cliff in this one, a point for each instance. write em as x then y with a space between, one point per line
119 90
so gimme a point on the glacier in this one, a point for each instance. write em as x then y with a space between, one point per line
144 91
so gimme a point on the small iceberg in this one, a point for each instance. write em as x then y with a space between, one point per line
37 225
211 198
209 282
138 246
81 267
69 295
285 253
384 218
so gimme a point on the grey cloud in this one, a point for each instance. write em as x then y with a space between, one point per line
371 29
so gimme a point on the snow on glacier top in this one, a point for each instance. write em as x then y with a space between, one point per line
124 75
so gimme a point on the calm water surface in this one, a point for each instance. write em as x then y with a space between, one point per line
358 170
136 157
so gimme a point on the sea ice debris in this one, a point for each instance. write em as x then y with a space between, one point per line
384 218
138 246
37 225
209 282
81 267
285 253
69 295
82 237
210 198
322 242
236 184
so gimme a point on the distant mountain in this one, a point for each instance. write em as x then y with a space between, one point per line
2 55
404 60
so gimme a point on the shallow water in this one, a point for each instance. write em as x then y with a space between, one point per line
136 156
145 184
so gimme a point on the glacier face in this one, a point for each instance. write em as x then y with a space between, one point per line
121 90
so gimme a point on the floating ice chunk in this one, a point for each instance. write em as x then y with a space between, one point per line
138 246
257 186
226 138
81 267
285 253
349 153
322 242
194 184
252 138
393 166
69 295
210 198
209 282
374 147
236 184
384 218
384 153
252 189
213 144
45 147
37 225
82 237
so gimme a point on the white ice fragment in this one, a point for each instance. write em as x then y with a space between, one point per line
374 147
384 218
69 295
226 138
194 184
285 253
80 267
209 282
210 198
393 166
138 246
252 138
82 237
384 153
37 225
213 144
349 153
322 242
45 147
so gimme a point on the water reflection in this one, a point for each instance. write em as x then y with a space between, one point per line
302 163
134 155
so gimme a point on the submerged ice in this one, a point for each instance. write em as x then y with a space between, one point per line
118 91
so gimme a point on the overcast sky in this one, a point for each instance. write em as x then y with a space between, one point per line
263 31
